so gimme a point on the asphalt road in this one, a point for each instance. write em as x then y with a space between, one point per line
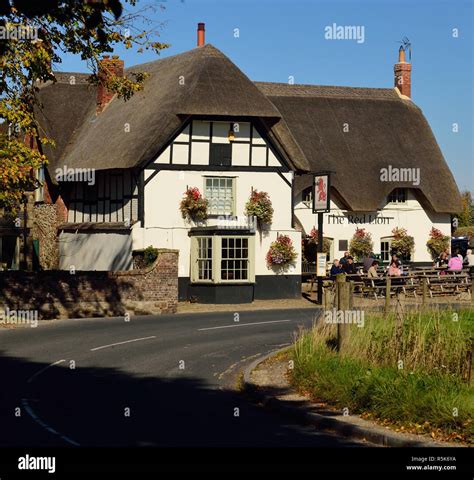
153 381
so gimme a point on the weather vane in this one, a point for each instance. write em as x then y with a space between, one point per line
406 45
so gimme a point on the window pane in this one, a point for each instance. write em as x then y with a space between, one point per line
219 193
235 253
204 259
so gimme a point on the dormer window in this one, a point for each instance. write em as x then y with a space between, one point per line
399 195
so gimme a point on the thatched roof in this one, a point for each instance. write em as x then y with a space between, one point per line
305 121
201 81
383 130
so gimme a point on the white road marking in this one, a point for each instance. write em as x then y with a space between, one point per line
121 343
43 369
44 425
243 325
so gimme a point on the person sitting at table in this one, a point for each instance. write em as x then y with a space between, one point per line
469 261
343 260
372 271
469 258
394 269
336 268
442 260
349 267
455 263
368 261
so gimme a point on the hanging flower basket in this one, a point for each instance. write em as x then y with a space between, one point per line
259 205
312 238
193 205
281 252
361 244
402 243
437 243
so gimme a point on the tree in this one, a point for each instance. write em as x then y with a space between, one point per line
33 36
465 218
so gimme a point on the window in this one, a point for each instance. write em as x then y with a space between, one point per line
204 258
234 258
307 197
9 252
220 193
385 250
343 245
222 259
39 192
399 195
220 154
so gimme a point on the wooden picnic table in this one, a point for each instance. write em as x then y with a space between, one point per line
409 284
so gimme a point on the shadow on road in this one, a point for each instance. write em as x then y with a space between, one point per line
88 406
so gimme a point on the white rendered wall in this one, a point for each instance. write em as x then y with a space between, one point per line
165 227
409 215
95 251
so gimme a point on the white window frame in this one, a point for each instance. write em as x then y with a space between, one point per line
389 241
216 277
195 259
213 177
39 191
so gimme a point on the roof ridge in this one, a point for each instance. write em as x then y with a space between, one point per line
289 85
280 89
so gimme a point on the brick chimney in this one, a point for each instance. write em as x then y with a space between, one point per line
402 71
201 35
108 67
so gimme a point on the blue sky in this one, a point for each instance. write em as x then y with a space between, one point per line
278 39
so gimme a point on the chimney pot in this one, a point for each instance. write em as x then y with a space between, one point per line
201 35
402 71
401 55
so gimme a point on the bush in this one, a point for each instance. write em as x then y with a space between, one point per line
361 244
281 252
193 206
437 243
259 205
150 254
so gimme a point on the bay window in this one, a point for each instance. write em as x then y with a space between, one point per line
222 259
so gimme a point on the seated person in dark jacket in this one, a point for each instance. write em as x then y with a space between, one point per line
336 268
349 267
343 260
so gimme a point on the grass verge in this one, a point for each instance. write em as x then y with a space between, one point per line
411 373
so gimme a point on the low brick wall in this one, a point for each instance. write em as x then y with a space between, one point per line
60 294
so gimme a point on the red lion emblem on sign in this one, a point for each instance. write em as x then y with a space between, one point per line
321 190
